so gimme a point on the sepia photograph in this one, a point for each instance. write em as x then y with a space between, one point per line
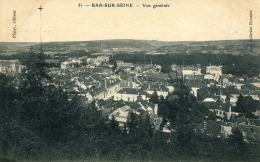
129 80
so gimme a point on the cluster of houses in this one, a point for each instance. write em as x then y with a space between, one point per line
213 85
129 87
219 93
10 66
126 89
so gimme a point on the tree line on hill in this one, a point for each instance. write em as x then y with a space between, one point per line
232 64
23 56
38 122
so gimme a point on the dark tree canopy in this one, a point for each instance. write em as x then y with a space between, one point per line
247 105
154 98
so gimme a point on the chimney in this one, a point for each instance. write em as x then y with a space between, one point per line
204 125
229 113
155 108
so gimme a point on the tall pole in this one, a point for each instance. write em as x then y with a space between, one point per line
40 8
31 53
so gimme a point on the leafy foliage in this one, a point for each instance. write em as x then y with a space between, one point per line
247 105
154 98
241 64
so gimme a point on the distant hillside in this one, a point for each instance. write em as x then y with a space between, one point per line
139 45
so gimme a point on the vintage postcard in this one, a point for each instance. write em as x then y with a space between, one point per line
129 80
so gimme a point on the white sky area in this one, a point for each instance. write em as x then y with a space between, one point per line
190 20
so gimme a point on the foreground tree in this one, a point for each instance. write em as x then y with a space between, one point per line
247 105
154 98
9 108
237 141
49 116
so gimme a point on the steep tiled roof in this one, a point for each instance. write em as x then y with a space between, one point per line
134 105
240 119
119 104
255 121
144 103
154 87
132 91
9 62
214 105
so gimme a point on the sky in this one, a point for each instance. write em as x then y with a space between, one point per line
189 20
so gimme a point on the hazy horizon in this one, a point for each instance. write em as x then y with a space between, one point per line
136 40
194 20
